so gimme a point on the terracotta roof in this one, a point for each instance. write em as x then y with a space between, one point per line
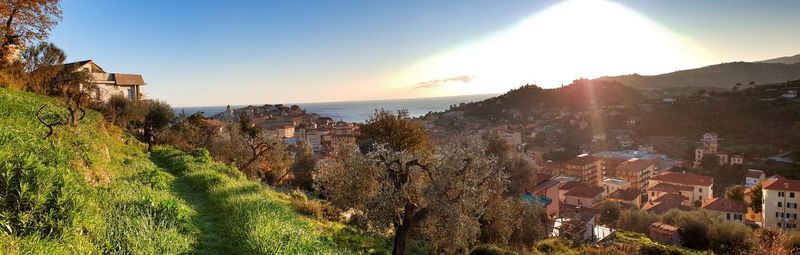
626 194
585 191
752 173
684 178
722 204
549 167
669 188
541 178
662 207
582 160
781 184
664 226
129 79
635 165
569 185
670 198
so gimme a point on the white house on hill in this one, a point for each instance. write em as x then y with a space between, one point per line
108 84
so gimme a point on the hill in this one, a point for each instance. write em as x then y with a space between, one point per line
783 60
580 94
92 189
724 76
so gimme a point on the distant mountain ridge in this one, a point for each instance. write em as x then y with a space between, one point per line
724 75
783 60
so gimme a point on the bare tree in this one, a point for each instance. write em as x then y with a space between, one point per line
50 121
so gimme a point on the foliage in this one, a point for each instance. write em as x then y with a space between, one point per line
490 250
28 20
439 199
729 237
610 212
159 115
735 192
303 166
42 63
396 131
756 198
636 221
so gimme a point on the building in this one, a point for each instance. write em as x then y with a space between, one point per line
629 196
753 177
710 146
588 169
665 233
737 159
613 184
728 209
315 138
780 196
548 187
108 84
667 202
697 187
637 171
582 194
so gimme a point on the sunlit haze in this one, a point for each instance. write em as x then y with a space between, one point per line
214 53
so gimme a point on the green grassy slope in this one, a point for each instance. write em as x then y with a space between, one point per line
92 189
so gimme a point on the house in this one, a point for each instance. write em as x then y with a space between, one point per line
753 177
613 184
108 84
728 209
577 223
697 187
780 196
667 202
548 187
637 171
737 159
658 190
588 169
584 195
665 233
628 196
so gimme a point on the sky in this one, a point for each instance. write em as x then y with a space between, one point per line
201 53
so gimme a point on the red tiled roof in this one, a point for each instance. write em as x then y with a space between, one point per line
662 207
541 178
635 165
585 191
569 185
671 198
752 173
669 188
684 178
625 194
782 184
582 161
722 204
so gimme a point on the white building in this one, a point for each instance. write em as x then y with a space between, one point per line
108 84
753 177
780 196
694 187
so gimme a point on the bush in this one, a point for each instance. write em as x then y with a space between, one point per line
490 250
37 199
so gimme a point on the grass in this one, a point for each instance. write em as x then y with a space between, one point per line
92 189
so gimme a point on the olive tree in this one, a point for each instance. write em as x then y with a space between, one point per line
440 198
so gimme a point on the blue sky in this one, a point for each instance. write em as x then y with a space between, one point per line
195 53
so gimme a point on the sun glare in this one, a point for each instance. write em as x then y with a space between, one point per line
577 38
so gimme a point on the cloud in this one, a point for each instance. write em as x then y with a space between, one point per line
442 82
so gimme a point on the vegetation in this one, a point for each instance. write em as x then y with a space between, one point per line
86 191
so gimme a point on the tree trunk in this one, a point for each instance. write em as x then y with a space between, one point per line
411 217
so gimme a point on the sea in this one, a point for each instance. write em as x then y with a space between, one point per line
360 111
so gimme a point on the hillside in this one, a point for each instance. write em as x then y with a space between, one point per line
783 60
718 76
91 189
578 95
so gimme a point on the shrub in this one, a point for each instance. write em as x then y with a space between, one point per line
490 250
153 178
37 199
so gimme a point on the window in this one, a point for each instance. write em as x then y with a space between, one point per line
781 194
780 204
701 189
728 216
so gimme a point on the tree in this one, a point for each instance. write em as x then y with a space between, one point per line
730 237
709 162
440 198
636 221
159 116
735 192
26 21
756 198
396 131
609 213
303 166
73 88
42 63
